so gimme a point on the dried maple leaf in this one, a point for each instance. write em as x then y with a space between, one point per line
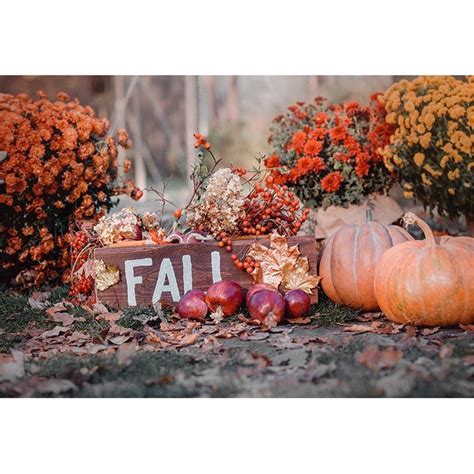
272 259
105 275
218 315
296 276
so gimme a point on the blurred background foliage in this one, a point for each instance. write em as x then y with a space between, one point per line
161 113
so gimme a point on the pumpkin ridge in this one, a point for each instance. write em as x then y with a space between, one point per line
354 260
327 274
389 235
332 254
459 265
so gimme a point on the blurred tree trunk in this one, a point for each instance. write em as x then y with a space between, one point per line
118 85
191 110
210 83
139 162
233 109
313 87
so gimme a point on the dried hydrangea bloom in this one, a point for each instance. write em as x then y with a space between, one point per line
118 226
221 205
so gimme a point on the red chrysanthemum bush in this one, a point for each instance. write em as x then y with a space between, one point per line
58 166
331 154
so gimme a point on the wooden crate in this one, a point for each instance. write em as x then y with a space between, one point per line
150 273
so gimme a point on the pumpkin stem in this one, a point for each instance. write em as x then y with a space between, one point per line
410 219
368 215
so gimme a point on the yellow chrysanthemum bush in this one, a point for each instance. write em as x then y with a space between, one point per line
432 148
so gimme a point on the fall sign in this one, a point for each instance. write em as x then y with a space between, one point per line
146 274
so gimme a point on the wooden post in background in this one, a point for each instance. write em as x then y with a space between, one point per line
191 106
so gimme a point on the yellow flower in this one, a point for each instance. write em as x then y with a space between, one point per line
432 171
397 160
452 175
425 179
456 112
425 140
451 191
390 118
429 120
419 158
409 106
420 128
408 186
452 127
457 157
408 194
444 161
448 148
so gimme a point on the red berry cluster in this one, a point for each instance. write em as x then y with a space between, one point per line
248 264
83 287
79 241
272 208
224 240
239 171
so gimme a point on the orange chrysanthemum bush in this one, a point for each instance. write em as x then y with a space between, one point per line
58 167
432 148
331 154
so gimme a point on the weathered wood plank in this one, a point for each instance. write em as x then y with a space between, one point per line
165 272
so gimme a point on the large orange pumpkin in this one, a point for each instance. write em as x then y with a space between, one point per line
348 259
427 283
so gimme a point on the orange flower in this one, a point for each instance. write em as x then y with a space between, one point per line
338 133
321 118
272 161
332 182
313 147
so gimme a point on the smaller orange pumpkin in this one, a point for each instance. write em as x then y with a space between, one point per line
348 259
426 283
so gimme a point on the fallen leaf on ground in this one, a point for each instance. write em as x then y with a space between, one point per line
358 328
429 331
467 327
367 317
54 332
56 308
125 354
257 336
253 322
119 340
218 315
164 326
77 336
374 358
299 320
64 318
111 317
188 340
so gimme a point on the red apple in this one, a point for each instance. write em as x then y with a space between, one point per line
199 293
258 287
193 305
226 294
268 306
297 303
